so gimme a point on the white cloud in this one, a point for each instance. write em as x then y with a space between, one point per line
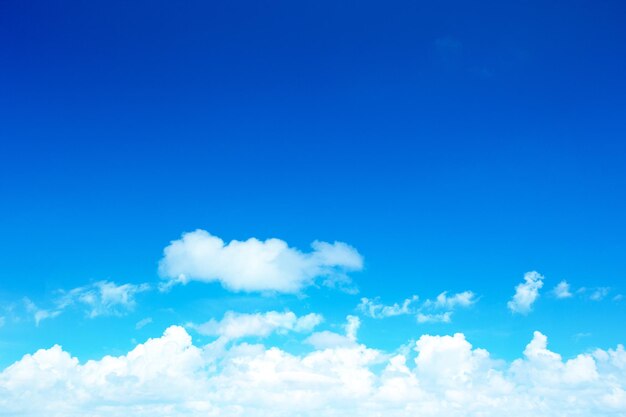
428 312
526 293
443 301
103 298
373 308
329 340
352 327
255 265
598 294
39 314
594 293
562 290
237 325
445 375
143 323
434 318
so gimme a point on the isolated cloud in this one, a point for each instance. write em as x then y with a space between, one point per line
443 375
434 317
430 311
255 265
562 290
526 293
237 325
594 293
599 294
39 314
373 308
143 323
103 298
443 301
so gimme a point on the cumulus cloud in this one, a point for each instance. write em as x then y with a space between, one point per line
238 325
255 265
562 290
373 308
526 293
443 375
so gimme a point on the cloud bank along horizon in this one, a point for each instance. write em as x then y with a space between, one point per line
238 373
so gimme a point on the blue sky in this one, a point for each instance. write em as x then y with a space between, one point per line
454 146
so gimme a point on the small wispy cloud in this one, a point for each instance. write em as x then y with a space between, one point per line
438 310
435 318
593 293
329 340
240 325
526 293
375 309
103 298
39 314
599 293
444 301
143 323
562 290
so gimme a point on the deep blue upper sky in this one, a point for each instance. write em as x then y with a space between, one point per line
457 145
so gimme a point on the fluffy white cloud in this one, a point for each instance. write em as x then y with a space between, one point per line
373 308
526 293
103 298
237 325
255 265
444 375
562 290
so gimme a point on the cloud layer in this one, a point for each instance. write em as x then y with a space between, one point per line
441 375
255 265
